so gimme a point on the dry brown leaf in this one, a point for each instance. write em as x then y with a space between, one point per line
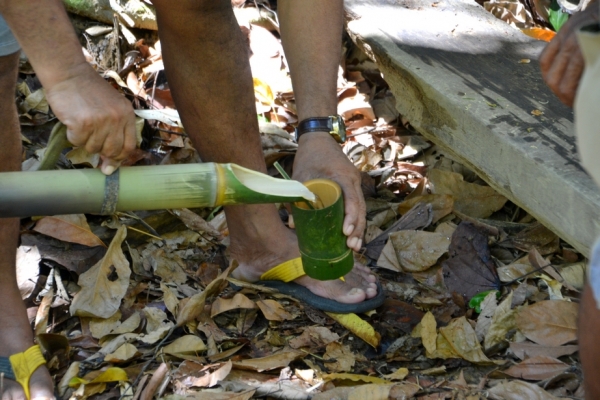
397 375
343 356
170 298
314 336
273 311
123 354
274 361
429 332
519 390
210 394
469 198
192 374
188 344
238 301
80 156
525 350
463 340
502 322
129 325
537 368
442 205
166 265
371 392
549 323
195 304
69 228
417 250
195 222
488 308
28 269
105 284
100 327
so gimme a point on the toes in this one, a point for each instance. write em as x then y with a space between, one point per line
355 295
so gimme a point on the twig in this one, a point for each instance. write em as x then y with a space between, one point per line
155 382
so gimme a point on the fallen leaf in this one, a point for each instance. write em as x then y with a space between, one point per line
128 326
537 368
549 323
196 223
470 268
397 375
519 390
417 250
278 360
525 350
273 311
469 198
442 204
195 304
188 344
238 301
343 357
371 392
100 327
463 340
502 322
354 378
28 269
123 354
112 374
192 374
69 228
488 308
80 156
429 332
105 284
359 327
170 298
314 336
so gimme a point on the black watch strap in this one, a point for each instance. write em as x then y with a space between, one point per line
318 124
334 125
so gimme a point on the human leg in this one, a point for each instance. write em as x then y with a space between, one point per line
15 331
209 74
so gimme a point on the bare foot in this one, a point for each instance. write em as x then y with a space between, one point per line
261 245
16 336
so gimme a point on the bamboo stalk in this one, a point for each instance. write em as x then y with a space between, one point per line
24 194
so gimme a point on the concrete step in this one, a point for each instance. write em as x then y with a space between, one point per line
460 77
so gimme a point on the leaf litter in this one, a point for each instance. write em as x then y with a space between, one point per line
140 304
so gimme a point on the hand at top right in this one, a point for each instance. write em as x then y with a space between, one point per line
561 61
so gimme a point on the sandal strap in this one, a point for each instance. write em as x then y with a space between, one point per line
19 367
285 272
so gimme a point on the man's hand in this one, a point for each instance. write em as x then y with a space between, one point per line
97 116
320 156
561 61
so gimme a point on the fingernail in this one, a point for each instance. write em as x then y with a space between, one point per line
108 170
291 222
352 242
359 245
348 230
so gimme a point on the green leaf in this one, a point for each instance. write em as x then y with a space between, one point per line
557 16
476 300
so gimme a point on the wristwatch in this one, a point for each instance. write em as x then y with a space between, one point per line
333 124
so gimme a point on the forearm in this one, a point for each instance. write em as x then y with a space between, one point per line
311 32
45 33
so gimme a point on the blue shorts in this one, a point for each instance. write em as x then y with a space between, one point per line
8 43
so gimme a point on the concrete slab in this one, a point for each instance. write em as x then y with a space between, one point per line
456 73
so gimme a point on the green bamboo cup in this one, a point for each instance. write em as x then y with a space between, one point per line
321 239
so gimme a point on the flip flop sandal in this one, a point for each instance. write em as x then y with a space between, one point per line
19 367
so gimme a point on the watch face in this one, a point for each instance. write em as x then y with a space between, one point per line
339 128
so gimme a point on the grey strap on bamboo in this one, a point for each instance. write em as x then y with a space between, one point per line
111 194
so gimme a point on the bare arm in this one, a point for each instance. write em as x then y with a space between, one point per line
96 116
311 31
